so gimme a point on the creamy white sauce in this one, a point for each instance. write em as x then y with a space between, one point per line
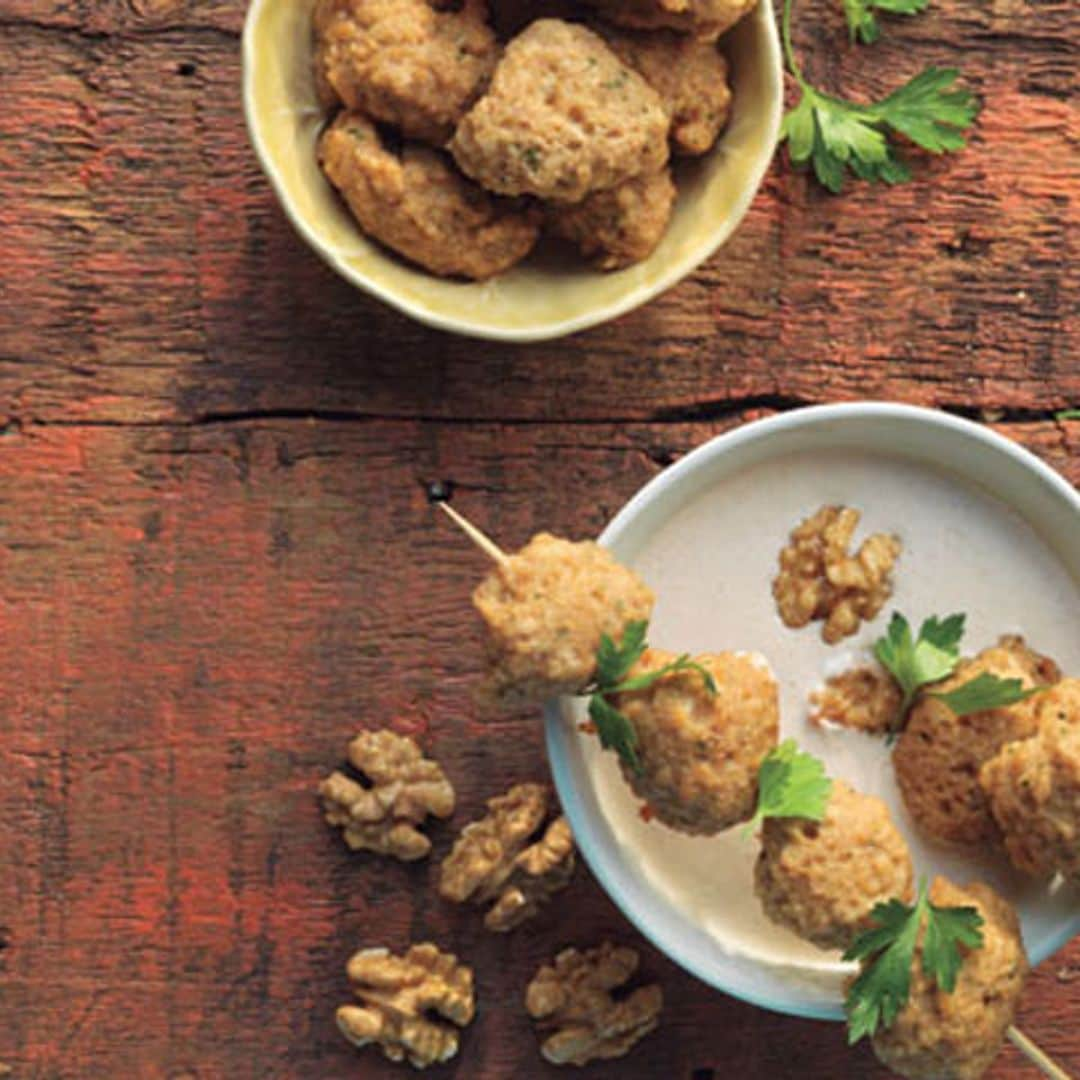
712 565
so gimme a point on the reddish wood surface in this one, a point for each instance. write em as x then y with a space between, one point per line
216 559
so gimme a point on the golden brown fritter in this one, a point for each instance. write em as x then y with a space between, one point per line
404 62
938 757
940 1036
703 19
1034 787
418 204
821 879
691 77
620 226
700 752
545 610
563 117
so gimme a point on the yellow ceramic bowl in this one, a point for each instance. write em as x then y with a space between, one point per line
550 294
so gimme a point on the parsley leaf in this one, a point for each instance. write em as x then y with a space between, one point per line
879 993
946 929
986 691
927 659
834 135
615 731
944 634
862 24
613 665
614 661
791 783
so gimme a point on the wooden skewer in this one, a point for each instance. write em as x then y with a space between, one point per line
483 542
1041 1061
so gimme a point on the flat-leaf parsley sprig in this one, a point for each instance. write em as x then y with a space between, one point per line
863 24
833 134
879 993
929 658
791 783
933 656
613 664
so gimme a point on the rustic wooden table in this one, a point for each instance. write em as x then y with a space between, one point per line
217 560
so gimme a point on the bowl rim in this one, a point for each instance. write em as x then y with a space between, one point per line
604 866
536 330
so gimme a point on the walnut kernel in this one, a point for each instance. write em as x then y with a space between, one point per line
493 859
398 996
573 996
403 787
819 579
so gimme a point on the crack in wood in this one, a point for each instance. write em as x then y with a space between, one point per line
696 412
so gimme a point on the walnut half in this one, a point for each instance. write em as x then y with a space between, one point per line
493 859
401 788
398 994
819 579
573 996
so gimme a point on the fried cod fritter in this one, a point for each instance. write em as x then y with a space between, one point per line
419 205
620 226
691 77
562 118
821 879
1034 787
700 752
703 19
404 62
545 610
939 755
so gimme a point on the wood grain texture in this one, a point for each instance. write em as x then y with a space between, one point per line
217 560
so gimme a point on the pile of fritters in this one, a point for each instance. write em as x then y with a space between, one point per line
458 150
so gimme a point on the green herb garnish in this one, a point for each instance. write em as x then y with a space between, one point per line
986 691
791 783
887 949
863 25
927 659
1068 414
834 134
613 664
933 656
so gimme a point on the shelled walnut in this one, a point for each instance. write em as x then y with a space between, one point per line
402 787
819 579
572 997
864 698
399 998
493 859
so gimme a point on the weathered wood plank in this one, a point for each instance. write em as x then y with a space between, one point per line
195 620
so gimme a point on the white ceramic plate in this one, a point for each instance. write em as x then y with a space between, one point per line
987 529
549 294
